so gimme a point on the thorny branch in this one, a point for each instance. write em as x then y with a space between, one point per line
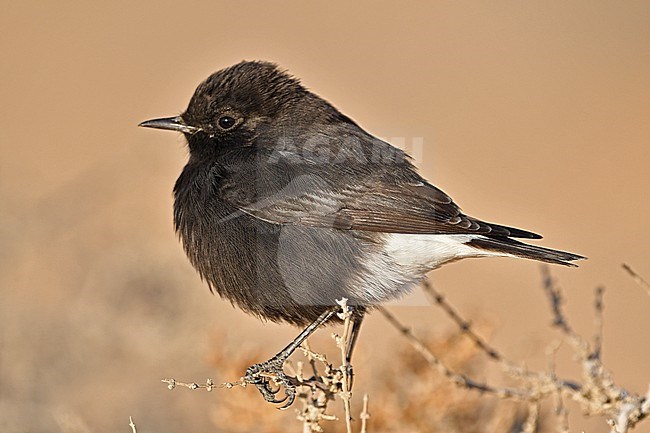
341 342
597 394
435 362
637 278
322 384
465 328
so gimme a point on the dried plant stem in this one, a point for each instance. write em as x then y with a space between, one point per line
209 384
532 420
637 278
599 385
465 327
457 379
342 343
597 395
364 415
598 322
320 386
559 321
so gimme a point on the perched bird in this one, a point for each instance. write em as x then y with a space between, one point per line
286 205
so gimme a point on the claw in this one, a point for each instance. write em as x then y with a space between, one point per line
282 400
263 384
291 396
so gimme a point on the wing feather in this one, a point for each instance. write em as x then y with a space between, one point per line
375 207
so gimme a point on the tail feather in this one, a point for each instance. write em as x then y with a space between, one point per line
520 249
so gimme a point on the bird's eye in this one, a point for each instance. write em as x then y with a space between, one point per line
226 122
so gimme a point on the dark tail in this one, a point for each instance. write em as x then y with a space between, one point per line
520 249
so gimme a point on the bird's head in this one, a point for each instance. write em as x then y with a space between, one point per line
236 105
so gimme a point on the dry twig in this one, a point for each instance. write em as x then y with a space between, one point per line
597 394
637 278
365 415
435 362
317 388
342 342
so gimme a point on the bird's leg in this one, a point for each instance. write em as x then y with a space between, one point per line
357 319
254 373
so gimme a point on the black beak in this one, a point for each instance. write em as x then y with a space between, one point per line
171 123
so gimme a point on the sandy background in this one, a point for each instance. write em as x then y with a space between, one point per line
532 114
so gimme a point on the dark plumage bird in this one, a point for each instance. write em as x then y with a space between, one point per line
287 205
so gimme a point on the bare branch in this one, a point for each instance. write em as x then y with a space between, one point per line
364 415
637 278
457 379
559 321
597 395
209 384
464 325
598 321
342 343
532 420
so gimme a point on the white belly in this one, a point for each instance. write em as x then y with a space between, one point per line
406 258
422 253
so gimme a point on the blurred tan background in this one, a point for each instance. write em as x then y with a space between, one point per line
532 114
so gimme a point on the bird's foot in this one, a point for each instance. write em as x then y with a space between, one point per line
263 373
